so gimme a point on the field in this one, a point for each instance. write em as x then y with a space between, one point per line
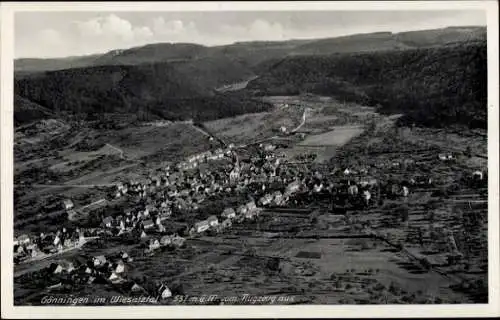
337 137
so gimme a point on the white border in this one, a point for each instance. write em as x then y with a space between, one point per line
344 311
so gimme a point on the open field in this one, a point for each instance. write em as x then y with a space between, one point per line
337 137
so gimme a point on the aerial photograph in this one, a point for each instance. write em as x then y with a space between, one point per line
250 158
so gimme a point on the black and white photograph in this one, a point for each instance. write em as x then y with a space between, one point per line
257 157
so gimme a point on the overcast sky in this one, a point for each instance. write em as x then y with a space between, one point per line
59 34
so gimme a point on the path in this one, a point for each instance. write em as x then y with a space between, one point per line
304 115
120 151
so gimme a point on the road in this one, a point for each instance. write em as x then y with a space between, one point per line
304 116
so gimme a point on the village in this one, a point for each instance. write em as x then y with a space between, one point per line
218 192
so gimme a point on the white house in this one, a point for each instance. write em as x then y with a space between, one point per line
266 199
234 174
293 187
477 175
68 204
201 226
166 240
164 292
154 244
148 224
228 213
114 278
242 210
119 267
23 239
107 222
99 260
406 192
278 198
213 221
367 196
352 190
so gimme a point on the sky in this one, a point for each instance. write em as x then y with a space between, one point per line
62 34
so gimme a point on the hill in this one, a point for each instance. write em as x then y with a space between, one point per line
435 86
26 111
150 89
251 54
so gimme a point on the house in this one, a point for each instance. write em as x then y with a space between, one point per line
242 210
99 260
445 156
23 239
269 147
213 221
178 241
201 226
352 190
347 171
367 196
277 198
148 224
154 244
165 213
166 240
20 250
107 222
119 267
368 182
406 192
57 240
125 256
251 206
114 278
164 292
68 204
226 223
318 187
143 234
122 224
292 187
135 288
477 175
234 174
266 199
250 214
149 209
228 213
64 266
161 228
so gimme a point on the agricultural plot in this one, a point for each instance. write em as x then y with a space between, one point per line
337 137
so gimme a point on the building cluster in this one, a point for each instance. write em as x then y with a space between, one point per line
39 246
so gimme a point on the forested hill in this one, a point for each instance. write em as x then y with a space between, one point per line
253 53
161 89
435 86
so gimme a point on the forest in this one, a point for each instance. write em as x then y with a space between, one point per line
165 90
434 87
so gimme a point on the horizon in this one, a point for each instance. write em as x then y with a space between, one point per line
77 34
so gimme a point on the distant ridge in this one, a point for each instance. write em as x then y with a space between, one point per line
251 53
